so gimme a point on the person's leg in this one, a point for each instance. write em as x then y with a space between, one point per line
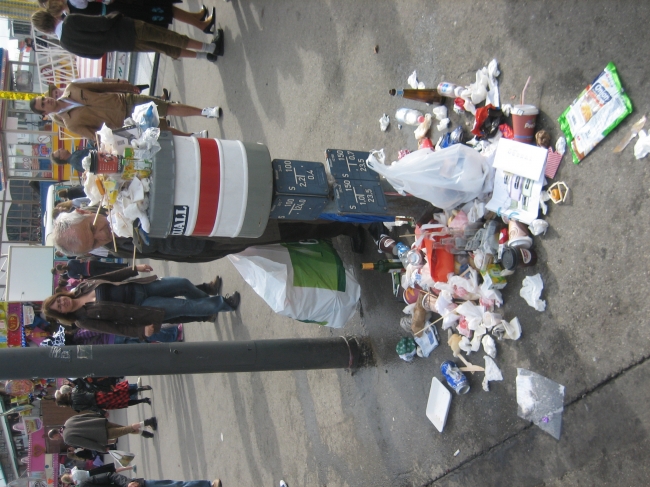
177 483
165 335
116 430
153 38
177 309
171 287
192 18
296 231
133 402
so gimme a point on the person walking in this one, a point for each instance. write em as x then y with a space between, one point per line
116 304
118 480
92 36
100 401
167 334
85 107
95 432
155 12
79 269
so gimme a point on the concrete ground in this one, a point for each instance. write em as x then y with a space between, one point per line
303 77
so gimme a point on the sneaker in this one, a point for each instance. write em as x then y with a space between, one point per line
146 434
232 301
283 483
146 400
213 288
216 483
203 134
139 382
211 112
153 422
145 388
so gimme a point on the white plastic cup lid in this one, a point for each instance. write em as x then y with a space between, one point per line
524 110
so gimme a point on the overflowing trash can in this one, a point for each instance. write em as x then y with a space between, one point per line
210 188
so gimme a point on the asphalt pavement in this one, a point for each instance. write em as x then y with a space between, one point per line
305 76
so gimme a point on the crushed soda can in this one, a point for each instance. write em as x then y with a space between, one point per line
454 377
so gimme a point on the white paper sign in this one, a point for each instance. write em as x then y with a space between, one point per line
522 159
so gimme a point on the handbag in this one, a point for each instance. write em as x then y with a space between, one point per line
122 457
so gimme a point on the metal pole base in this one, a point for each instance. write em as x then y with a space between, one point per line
185 358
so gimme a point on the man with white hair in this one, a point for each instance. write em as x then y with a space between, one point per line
76 234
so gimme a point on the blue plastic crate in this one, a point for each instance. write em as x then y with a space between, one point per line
365 197
301 208
300 177
348 164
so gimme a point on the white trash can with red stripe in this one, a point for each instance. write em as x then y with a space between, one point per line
210 188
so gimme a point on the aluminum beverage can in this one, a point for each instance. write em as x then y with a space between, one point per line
454 377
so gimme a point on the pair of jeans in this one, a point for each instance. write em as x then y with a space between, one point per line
162 294
165 335
177 483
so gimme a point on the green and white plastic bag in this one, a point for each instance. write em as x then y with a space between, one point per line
305 281
595 113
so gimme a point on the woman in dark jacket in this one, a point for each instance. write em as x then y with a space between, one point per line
99 402
156 12
81 269
138 307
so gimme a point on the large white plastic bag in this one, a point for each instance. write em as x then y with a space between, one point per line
445 178
269 270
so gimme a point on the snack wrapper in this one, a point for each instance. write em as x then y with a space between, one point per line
595 113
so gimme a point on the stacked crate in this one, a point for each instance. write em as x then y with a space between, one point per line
302 191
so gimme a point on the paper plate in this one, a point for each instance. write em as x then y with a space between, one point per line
438 404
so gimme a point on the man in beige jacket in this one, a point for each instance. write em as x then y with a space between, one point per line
85 107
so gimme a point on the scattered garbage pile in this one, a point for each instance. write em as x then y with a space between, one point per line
118 172
489 186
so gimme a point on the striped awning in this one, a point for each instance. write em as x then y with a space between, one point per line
17 9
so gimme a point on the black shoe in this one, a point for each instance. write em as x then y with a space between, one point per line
204 13
146 434
146 400
233 301
218 41
213 288
210 28
376 230
153 422
166 96
142 87
145 388
358 241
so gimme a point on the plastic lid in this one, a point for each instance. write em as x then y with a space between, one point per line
509 259
525 110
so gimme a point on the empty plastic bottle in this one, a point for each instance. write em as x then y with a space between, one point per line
409 116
